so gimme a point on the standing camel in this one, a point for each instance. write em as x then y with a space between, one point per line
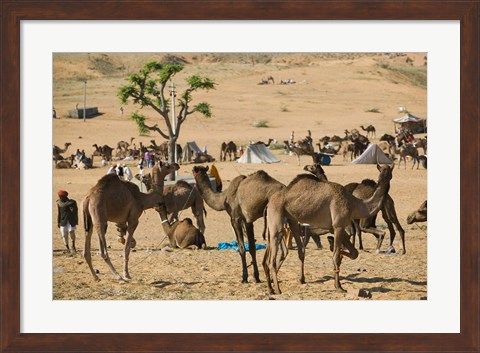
244 200
408 150
267 144
123 145
114 200
228 148
370 129
323 205
299 149
365 190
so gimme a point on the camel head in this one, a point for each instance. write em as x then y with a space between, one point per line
167 167
199 169
385 172
419 215
316 169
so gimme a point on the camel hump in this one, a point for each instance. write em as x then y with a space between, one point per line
300 177
262 174
369 182
187 220
183 183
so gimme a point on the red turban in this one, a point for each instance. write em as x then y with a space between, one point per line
62 193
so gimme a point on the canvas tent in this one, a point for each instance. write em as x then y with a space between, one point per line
411 122
190 151
257 153
372 155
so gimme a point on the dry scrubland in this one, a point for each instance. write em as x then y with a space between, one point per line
333 93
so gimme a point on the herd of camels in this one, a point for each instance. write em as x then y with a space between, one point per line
342 210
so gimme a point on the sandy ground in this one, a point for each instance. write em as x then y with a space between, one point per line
331 94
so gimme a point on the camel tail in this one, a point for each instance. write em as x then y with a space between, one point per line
87 218
264 223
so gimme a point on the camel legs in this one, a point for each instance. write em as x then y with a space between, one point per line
341 239
237 228
252 250
390 216
132 225
295 229
101 231
87 252
197 210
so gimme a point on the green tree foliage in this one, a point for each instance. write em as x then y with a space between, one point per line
149 88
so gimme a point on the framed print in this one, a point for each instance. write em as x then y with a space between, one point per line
54 56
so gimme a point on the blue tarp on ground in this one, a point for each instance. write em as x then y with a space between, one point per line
234 245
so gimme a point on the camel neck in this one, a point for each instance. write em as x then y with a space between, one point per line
213 199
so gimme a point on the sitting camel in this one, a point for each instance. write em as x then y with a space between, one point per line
57 150
325 205
203 158
181 234
419 215
114 200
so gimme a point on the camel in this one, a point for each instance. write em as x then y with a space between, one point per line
299 149
365 190
421 143
181 234
408 150
162 150
104 151
123 145
203 158
388 138
64 164
244 200
228 148
178 197
419 215
57 150
263 143
267 81
324 205
114 200
370 129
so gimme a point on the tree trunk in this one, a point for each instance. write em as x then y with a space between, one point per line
172 146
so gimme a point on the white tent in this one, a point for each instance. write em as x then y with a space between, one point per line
372 155
408 118
190 151
257 153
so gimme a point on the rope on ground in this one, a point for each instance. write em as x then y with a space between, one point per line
420 228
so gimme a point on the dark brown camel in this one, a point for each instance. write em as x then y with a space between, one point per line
263 143
299 149
230 149
57 150
324 205
244 200
370 129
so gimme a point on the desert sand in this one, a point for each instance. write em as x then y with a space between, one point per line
333 92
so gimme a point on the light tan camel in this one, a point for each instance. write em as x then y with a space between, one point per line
114 200
419 215
244 200
181 234
57 150
178 197
324 205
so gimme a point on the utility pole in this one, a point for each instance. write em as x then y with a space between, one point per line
85 101
174 125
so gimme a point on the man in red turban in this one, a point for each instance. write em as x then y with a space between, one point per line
67 218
